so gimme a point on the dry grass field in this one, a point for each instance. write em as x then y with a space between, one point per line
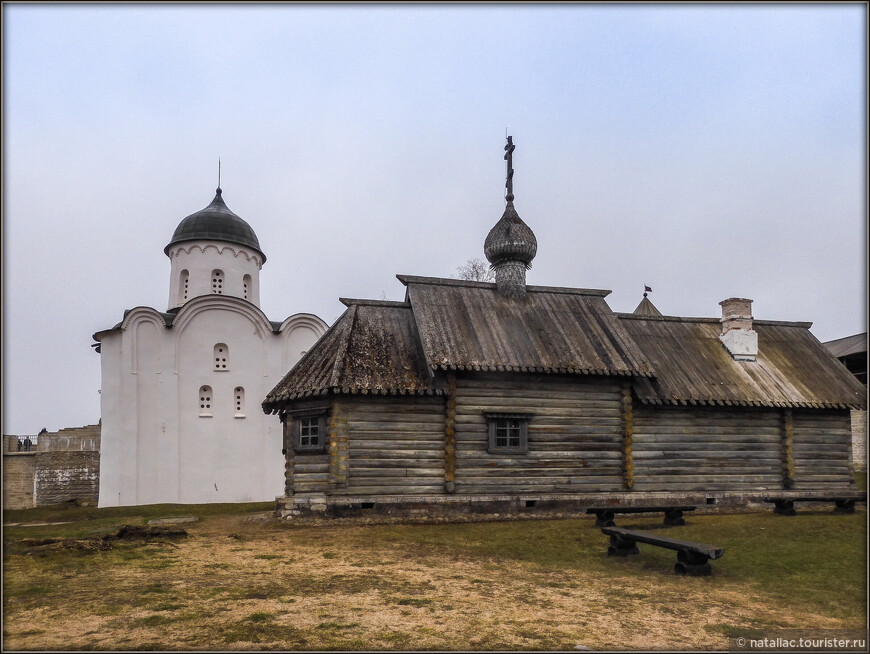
235 584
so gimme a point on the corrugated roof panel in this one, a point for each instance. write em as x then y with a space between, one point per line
843 347
471 325
792 368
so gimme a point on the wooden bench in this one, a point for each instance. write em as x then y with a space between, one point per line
692 558
673 514
843 504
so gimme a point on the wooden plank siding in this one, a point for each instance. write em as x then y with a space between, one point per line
585 436
574 437
706 449
395 445
822 441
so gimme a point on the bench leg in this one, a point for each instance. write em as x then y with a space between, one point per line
620 546
845 506
604 518
784 507
674 518
692 564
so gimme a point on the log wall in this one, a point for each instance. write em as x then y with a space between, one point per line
822 443
305 472
586 436
574 438
395 445
707 448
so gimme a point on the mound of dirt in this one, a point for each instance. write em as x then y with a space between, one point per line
134 532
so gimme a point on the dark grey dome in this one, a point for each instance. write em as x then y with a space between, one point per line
216 223
510 240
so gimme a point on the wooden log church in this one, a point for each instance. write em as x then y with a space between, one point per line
472 397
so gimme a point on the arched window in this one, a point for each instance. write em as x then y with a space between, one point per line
221 357
217 281
246 286
205 401
183 284
239 397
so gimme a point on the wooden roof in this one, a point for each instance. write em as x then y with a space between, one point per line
396 348
792 368
646 308
843 347
470 326
372 348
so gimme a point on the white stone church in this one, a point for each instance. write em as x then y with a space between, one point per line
181 389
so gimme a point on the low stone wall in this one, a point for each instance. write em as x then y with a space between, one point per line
65 467
67 476
10 442
859 440
81 439
18 476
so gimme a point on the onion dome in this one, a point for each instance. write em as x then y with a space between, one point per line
216 223
510 240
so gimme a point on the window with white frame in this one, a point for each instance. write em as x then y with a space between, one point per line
508 432
217 281
205 401
246 286
239 397
183 285
221 357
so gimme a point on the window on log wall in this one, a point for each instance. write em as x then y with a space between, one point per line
508 432
310 433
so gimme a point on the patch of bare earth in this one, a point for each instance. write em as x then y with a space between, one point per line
232 585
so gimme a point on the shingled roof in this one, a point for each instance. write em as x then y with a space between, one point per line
394 348
470 326
372 348
792 368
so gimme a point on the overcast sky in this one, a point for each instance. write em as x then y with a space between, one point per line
706 151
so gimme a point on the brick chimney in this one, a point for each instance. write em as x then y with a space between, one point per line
737 335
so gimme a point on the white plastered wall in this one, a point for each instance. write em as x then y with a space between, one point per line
201 258
156 447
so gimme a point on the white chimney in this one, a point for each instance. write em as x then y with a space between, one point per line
737 335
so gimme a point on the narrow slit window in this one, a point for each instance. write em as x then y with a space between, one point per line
205 401
246 286
221 357
183 285
217 282
239 398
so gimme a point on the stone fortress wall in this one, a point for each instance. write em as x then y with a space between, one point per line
63 466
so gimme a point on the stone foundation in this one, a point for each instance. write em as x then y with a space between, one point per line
319 508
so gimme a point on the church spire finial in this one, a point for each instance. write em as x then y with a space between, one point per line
219 176
508 156
510 246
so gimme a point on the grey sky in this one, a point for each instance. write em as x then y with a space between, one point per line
707 151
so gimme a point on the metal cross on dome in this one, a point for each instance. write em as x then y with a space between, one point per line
508 156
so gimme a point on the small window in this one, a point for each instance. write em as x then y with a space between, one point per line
205 401
246 286
239 397
311 433
221 357
508 432
217 282
183 286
